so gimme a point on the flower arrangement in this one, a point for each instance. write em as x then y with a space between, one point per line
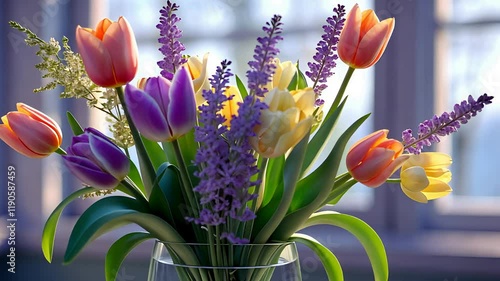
222 162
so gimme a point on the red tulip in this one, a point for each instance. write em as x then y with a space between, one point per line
364 38
109 52
30 132
374 158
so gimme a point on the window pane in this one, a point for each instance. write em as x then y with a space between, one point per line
468 61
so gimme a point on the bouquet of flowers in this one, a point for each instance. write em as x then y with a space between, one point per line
221 162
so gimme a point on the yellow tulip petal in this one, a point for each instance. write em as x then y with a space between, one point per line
414 179
415 196
430 160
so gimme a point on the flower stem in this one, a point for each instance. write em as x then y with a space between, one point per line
341 91
142 154
135 191
393 180
60 151
185 179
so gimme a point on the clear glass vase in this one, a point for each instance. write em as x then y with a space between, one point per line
226 262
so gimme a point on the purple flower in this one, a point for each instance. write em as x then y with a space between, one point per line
324 59
171 47
262 68
430 130
95 160
164 110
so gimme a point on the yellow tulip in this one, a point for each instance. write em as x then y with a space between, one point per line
426 176
285 122
282 76
198 70
230 108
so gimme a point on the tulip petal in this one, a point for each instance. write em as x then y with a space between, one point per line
288 71
368 20
292 138
436 189
37 136
109 156
350 36
376 160
181 114
431 160
373 44
13 141
157 88
361 147
415 196
89 176
120 42
41 117
414 179
146 114
387 172
96 58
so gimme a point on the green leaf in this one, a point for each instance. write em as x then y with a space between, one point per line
330 262
291 175
299 80
338 192
154 152
241 87
188 146
364 233
321 138
274 178
49 230
112 212
119 251
135 176
73 123
312 190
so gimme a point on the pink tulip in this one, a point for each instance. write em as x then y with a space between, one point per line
364 38
30 132
373 159
109 52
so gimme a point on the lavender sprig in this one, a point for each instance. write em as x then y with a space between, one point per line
324 59
430 130
262 68
171 47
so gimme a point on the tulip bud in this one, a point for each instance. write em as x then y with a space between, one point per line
283 75
426 176
364 38
109 52
373 159
30 132
198 71
285 122
96 160
231 106
164 110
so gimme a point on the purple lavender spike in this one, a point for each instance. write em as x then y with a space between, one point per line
262 68
171 47
324 59
429 131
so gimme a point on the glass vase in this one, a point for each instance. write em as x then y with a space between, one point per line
224 262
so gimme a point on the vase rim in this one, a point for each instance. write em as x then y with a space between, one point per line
226 244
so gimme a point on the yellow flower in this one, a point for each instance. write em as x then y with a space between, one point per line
426 176
282 76
230 108
198 71
285 122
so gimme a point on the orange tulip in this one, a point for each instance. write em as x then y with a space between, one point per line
109 52
30 132
374 158
364 38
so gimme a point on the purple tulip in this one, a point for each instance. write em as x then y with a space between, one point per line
96 160
164 110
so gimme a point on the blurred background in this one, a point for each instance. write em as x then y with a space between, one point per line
441 51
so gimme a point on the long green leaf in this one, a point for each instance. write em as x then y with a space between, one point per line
49 230
364 233
155 153
313 189
73 123
110 213
241 87
291 175
320 139
135 176
274 178
119 251
330 262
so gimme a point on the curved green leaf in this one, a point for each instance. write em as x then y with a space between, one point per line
273 179
241 87
299 80
155 153
49 230
330 262
291 174
119 251
312 190
112 212
364 233
135 176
